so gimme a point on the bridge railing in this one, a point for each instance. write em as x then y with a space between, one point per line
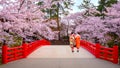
110 54
88 46
15 53
11 54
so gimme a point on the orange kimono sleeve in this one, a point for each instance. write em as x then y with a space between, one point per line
78 41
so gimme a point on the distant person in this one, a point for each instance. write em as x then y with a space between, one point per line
77 40
72 41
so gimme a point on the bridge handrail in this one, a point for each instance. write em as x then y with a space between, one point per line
15 53
88 46
110 54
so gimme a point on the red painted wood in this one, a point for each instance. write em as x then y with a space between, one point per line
110 54
115 54
15 53
4 54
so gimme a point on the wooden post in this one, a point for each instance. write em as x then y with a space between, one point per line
115 54
24 50
15 53
49 43
105 53
4 54
86 45
97 53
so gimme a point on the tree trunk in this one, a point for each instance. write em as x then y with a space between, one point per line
68 29
50 11
58 25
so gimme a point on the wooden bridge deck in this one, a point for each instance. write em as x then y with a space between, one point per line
60 57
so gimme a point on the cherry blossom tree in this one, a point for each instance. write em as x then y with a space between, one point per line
113 21
93 26
22 18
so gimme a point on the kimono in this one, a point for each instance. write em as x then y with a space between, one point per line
72 40
77 40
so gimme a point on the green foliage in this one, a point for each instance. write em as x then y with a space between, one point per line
114 37
86 5
68 4
56 9
0 60
40 3
65 37
110 43
17 40
0 43
105 3
65 40
119 47
110 2
101 6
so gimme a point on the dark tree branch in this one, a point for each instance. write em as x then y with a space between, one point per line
21 5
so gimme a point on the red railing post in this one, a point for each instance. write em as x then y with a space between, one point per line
97 53
115 54
15 53
48 43
105 53
4 54
24 49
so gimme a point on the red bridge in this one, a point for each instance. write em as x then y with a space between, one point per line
93 55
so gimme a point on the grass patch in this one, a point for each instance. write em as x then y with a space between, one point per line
0 60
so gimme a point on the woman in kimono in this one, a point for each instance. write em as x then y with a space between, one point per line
72 41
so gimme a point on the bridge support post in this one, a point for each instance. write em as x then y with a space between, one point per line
4 54
97 53
24 49
115 54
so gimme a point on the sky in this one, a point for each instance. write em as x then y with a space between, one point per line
75 7
78 2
